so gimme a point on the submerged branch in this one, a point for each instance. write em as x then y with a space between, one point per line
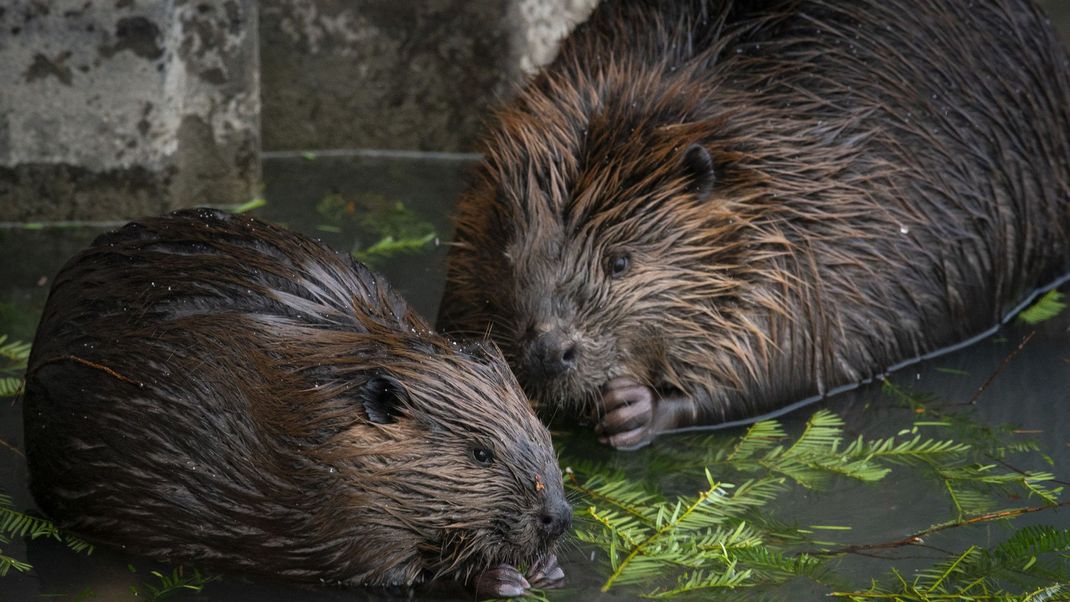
918 538
999 369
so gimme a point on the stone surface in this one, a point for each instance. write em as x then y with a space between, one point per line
118 108
397 75
543 24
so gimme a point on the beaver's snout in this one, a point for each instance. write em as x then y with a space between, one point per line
552 354
555 519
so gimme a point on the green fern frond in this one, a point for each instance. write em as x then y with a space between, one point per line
699 581
10 386
7 563
17 524
247 206
761 436
1046 308
773 565
940 577
1030 483
77 544
967 501
1058 591
1034 540
389 246
804 474
618 491
619 527
724 502
167 585
908 450
15 351
743 537
860 470
823 433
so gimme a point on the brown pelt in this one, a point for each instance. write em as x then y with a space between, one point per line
209 388
801 194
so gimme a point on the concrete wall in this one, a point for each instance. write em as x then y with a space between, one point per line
118 108
395 74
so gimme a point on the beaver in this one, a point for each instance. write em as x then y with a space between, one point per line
207 387
705 210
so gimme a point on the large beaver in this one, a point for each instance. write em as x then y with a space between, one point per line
706 209
206 387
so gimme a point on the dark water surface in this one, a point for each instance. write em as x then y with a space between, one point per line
1032 393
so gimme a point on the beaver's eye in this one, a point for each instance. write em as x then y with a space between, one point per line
618 265
483 456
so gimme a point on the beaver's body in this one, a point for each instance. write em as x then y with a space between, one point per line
703 210
209 388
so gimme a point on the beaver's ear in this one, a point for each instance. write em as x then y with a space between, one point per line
383 398
698 167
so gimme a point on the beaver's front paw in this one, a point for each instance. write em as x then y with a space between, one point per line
546 573
627 416
502 581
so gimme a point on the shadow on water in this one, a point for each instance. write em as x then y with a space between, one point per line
408 196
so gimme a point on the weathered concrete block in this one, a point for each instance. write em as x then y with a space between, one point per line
112 109
397 75
543 23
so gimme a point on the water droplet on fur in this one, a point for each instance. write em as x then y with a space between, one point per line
903 229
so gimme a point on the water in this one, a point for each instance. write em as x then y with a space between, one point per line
1032 392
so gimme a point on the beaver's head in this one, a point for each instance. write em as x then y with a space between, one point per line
607 237
427 452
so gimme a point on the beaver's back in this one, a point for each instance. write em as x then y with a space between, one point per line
893 129
158 414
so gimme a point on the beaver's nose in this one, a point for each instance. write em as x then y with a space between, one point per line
554 353
555 519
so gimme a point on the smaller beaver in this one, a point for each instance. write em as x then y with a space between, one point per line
210 388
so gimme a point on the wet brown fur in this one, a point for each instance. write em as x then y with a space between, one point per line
891 176
197 390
